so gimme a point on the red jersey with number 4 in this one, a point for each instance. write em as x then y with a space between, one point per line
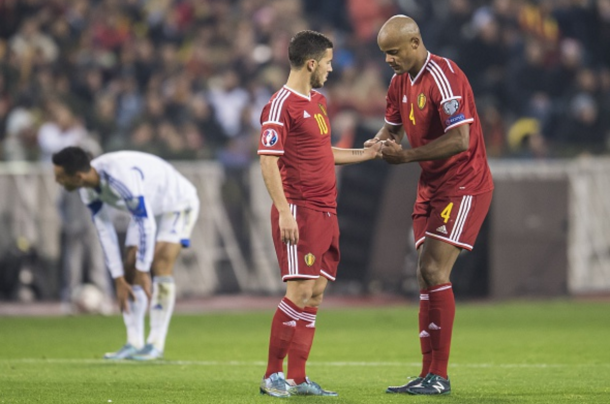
295 127
438 99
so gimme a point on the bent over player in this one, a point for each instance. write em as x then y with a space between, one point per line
163 206
431 100
297 163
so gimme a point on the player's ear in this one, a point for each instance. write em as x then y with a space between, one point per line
80 176
415 42
311 65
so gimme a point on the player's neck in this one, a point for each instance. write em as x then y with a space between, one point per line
299 81
423 56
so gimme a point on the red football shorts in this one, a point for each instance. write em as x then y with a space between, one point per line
316 253
453 219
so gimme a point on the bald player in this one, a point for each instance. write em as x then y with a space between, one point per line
431 100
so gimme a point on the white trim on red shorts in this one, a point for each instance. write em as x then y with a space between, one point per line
449 241
465 205
291 250
299 276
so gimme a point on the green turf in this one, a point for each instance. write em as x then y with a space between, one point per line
542 352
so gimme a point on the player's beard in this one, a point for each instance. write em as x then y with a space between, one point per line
316 80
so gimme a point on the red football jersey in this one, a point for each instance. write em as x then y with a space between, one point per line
438 99
296 128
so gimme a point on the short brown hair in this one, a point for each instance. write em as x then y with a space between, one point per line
307 45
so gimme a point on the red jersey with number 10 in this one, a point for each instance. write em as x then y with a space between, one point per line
295 127
438 99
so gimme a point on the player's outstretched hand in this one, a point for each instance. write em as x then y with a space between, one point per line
392 152
375 148
371 142
124 293
143 279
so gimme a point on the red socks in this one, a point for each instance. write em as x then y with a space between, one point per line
441 315
283 327
292 332
424 333
301 345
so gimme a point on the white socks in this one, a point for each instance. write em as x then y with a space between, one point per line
161 309
134 320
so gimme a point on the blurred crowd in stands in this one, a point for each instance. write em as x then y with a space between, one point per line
186 79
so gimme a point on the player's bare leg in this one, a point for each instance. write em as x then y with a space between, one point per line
134 316
300 291
163 299
436 260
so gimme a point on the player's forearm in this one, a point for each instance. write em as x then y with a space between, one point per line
273 182
352 156
388 132
451 143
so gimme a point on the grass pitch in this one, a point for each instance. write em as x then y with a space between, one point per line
522 352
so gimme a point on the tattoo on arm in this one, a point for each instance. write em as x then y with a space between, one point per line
357 152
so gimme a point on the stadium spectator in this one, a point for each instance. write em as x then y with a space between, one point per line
581 128
528 81
203 116
127 50
525 139
451 28
31 44
487 73
431 100
21 143
602 37
297 164
102 123
82 259
562 76
81 255
62 130
107 59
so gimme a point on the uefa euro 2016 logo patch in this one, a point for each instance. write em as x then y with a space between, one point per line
310 259
269 138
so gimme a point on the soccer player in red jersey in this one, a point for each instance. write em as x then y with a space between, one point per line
297 164
431 100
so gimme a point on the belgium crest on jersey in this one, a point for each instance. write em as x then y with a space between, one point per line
310 259
421 101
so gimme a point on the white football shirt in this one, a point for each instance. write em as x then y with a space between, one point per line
143 185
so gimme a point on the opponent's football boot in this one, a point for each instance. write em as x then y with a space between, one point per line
148 353
124 353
